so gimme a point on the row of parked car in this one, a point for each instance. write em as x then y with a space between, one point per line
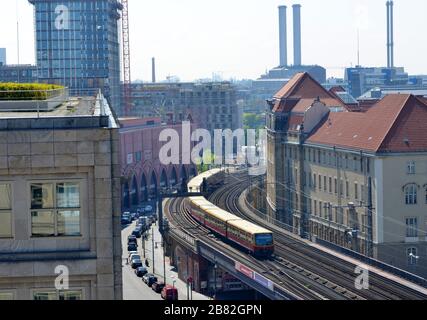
167 292
129 217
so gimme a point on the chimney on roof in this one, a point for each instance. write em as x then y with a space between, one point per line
283 36
297 34
390 34
153 70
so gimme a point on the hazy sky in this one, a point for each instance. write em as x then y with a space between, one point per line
239 38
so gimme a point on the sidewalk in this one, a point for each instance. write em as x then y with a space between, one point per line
171 275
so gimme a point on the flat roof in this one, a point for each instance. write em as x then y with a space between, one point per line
70 113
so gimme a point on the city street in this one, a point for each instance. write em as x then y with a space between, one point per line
133 287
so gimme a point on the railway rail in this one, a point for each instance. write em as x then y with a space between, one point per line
314 265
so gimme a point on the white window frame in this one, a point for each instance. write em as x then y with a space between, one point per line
57 292
56 209
411 228
410 167
411 195
9 211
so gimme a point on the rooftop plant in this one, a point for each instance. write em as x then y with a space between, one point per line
28 91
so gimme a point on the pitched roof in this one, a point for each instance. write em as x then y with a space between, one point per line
395 124
302 88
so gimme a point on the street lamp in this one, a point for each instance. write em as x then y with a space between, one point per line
215 276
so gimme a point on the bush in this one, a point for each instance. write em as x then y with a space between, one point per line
27 91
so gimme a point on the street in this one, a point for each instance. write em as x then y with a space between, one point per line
133 287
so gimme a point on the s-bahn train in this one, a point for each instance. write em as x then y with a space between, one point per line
246 235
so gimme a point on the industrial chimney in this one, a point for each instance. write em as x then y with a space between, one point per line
390 34
283 36
297 34
153 70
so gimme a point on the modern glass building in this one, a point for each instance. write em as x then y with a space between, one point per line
77 45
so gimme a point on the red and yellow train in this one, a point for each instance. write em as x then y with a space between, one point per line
250 237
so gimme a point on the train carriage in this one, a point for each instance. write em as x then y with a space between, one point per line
254 239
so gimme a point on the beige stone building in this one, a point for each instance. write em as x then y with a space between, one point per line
59 201
352 178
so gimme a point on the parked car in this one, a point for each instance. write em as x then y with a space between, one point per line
126 219
141 271
158 287
169 293
132 247
151 280
132 239
133 216
137 232
134 256
132 253
136 263
145 278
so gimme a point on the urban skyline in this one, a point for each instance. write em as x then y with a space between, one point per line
200 55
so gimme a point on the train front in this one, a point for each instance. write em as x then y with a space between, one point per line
264 244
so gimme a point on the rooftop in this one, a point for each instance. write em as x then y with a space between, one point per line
56 112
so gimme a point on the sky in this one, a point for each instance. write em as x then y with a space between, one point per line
193 39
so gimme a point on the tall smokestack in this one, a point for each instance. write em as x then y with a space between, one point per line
283 36
153 70
388 34
297 34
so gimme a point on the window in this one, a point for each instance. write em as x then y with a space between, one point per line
138 156
330 185
347 189
314 181
412 254
336 186
315 207
411 194
356 191
320 182
58 295
6 296
55 209
411 227
325 185
5 211
411 167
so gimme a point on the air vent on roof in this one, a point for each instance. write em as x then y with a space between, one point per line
406 141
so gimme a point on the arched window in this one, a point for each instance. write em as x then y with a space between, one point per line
411 194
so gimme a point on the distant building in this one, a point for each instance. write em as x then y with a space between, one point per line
144 176
77 45
3 56
60 200
361 79
209 106
276 78
22 73
353 179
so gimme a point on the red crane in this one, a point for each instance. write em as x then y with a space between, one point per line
127 82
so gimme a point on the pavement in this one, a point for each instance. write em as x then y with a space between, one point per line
133 287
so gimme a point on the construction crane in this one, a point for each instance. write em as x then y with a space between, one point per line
127 81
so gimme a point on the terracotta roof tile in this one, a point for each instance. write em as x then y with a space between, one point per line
395 124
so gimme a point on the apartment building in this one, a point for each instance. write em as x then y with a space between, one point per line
356 179
209 106
60 234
